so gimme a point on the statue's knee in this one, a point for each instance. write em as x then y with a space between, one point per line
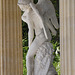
29 57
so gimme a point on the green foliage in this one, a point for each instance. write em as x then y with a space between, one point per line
24 68
25 42
25 49
56 61
24 30
55 41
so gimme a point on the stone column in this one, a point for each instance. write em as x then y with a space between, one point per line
67 36
10 38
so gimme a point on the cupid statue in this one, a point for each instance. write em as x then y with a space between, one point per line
40 18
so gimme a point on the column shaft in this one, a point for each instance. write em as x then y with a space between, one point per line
67 36
11 56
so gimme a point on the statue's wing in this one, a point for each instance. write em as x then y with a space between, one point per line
46 9
41 20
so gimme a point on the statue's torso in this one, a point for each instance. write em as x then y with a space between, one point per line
36 22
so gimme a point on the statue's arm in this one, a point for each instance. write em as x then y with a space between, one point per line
30 33
30 36
33 6
30 26
24 17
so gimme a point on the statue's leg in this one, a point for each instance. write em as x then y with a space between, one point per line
30 57
32 51
34 46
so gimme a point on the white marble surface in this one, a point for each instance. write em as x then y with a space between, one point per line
40 18
44 59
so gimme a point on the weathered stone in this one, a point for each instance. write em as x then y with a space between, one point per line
40 18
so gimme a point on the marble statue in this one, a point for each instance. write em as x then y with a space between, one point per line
42 21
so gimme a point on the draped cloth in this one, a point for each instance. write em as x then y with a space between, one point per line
44 59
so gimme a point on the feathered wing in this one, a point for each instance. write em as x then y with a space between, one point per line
46 13
46 8
41 20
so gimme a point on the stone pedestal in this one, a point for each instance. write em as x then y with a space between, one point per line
67 36
10 38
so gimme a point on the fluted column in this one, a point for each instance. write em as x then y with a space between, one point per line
67 36
10 38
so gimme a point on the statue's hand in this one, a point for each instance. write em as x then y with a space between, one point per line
33 6
25 17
